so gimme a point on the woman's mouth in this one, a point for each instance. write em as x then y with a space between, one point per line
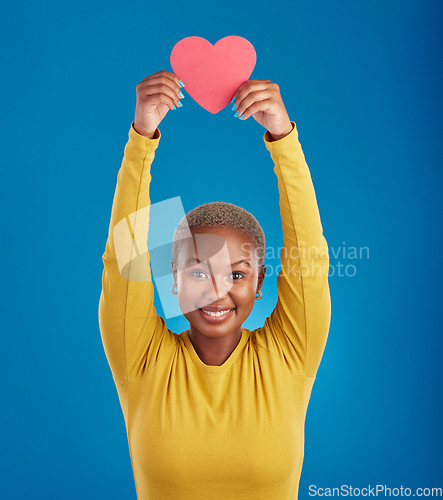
216 317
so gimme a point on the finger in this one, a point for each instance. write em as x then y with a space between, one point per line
167 74
267 106
259 95
161 80
165 80
250 84
162 89
245 90
171 76
162 99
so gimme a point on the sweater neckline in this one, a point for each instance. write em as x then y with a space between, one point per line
214 368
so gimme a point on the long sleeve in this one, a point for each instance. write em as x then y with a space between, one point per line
298 327
133 334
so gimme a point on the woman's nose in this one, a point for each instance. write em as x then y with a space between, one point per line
217 288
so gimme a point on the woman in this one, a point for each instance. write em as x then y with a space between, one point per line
218 411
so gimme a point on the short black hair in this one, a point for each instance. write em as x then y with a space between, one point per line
220 214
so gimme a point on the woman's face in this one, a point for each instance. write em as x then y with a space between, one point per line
217 272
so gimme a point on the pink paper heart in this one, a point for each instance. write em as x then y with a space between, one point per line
213 73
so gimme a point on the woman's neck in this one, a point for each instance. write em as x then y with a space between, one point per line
214 351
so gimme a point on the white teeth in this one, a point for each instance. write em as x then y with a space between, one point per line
216 314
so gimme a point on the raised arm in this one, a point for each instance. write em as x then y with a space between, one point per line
298 326
133 334
297 329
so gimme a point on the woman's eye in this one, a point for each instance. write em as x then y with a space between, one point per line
198 274
237 275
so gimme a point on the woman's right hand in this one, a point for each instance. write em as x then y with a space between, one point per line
156 94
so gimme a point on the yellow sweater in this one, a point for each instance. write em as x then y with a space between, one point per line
234 431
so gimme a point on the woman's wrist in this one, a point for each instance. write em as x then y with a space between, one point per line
276 137
149 135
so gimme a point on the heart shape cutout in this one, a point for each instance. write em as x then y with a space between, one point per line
213 73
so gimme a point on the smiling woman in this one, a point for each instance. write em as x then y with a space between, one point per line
217 411
218 272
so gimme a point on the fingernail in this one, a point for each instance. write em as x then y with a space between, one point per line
233 107
181 83
236 114
181 94
180 104
233 100
173 107
241 117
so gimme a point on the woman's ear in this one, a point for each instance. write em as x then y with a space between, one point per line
174 271
261 276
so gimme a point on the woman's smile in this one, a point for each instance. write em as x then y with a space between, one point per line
216 316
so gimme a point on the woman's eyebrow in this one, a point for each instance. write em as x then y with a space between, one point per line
240 261
198 261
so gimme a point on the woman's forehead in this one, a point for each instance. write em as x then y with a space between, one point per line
225 246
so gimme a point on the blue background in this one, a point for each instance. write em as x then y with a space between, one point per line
362 81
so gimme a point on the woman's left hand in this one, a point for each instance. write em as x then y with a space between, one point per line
261 99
